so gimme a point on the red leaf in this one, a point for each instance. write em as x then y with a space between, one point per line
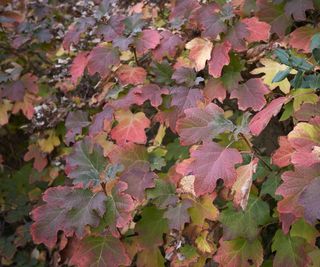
67 209
210 21
251 94
130 128
282 156
131 75
215 89
258 30
75 121
219 58
183 9
102 121
168 46
101 60
236 36
212 162
301 38
298 8
100 251
78 66
40 158
119 206
262 118
202 124
147 40
273 14
294 184
310 200
113 29
75 30
200 52
177 216
138 177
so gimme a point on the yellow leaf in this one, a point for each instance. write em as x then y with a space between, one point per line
302 96
5 106
160 134
270 69
203 209
48 144
200 52
203 245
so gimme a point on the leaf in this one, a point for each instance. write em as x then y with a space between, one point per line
258 30
245 223
5 107
151 92
119 206
130 128
200 52
239 252
78 66
298 8
102 121
40 159
75 121
99 251
184 75
270 186
113 29
203 209
168 46
163 195
183 8
295 183
85 164
236 36
151 227
241 188
75 30
220 166
101 59
219 58
162 72
131 75
150 257
262 118
128 154
290 251
274 14
215 89
138 177
177 216
304 230
282 156
202 124
250 94
301 37
67 209
310 200
211 23
147 40
50 142
202 243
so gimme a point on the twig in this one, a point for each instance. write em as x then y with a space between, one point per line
255 152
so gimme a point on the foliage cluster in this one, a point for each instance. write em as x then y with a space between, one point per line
160 133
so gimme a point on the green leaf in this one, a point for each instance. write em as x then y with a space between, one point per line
151 227
281 75
150 258
304 230
270 186
162 73
290 251
245 223
239 252
85 163
163 194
